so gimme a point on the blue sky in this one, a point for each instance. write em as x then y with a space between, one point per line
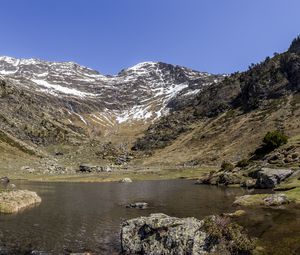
218 36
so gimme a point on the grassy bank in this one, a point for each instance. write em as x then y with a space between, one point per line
135 175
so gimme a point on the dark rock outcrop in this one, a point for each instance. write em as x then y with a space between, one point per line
268 178
221 178
4 180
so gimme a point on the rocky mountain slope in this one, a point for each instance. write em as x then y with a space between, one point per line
168 115
47 106
227 120
137 93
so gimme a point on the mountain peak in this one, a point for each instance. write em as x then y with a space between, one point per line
295 46
142 65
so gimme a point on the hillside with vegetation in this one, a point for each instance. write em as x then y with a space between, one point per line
228 120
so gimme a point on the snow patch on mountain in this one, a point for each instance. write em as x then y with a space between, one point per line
144 92
61 89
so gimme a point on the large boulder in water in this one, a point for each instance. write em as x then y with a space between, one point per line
268 178
162 234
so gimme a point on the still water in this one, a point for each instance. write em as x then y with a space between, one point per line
78 217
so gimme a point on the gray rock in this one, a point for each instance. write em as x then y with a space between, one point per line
104 169
276 200
4 180
27 169
86 168
125 180
138 205
11 186
161 234
268 178
249 183
220 178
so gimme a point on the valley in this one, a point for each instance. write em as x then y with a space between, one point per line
65 124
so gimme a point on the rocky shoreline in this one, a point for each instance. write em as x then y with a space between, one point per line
278 172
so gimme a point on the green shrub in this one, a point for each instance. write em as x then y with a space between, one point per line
243 163
271 141
295 46
229 237
227 166
274 139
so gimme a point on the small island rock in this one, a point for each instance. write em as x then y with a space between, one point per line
16 200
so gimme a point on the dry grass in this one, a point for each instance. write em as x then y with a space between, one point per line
135 175
14 201
230 138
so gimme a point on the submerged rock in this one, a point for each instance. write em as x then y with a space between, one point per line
162 234
15 200
138 205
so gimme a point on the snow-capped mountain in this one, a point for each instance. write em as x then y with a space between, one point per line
140 93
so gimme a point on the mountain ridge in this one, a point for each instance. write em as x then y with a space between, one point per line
71 79
50 104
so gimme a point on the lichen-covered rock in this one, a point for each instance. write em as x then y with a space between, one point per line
162 234
15 200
